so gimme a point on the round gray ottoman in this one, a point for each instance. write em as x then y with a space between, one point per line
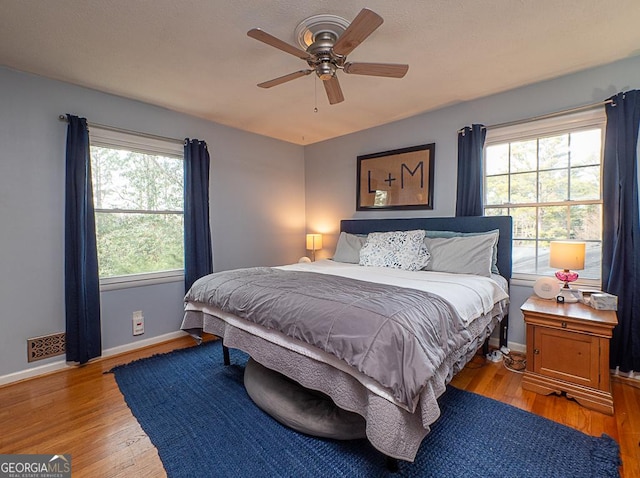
304 410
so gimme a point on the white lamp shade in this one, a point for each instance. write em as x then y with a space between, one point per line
567 255
314 242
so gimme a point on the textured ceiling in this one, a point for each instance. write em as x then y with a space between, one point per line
193 56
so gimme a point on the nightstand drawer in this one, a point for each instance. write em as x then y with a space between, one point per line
568 324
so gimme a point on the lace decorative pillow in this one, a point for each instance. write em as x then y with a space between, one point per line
397 250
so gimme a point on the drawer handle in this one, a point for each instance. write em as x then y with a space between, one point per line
564 325
536 351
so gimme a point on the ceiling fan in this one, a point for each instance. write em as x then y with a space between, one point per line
327 40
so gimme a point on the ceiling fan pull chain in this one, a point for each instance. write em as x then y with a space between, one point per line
315 94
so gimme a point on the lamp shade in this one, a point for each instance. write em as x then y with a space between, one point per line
314 242
567 255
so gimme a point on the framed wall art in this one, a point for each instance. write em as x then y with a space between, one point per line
397 179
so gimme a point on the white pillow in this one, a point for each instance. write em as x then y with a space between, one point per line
462 255
348 248
398 250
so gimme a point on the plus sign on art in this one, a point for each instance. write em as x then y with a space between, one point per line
397 179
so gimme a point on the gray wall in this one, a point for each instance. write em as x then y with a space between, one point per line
256 194
330 166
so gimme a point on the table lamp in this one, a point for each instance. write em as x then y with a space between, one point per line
314 243
567 255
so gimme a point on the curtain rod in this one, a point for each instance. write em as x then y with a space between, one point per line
547 116
127 131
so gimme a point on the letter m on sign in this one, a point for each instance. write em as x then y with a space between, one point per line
419 166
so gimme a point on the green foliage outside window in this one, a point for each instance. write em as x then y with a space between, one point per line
138 199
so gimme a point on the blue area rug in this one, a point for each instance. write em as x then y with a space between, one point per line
198 415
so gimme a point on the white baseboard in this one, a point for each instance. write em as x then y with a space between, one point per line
33 372
62 364
142 343
515 346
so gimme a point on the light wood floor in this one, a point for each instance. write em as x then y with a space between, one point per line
82 412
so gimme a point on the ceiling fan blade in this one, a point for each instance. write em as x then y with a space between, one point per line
360 28
284 79
269 39
334 92
390 70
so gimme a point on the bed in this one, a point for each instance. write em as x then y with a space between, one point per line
381 341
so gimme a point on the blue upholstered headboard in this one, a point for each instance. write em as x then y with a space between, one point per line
458 224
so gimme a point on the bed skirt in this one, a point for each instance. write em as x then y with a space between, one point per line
391 429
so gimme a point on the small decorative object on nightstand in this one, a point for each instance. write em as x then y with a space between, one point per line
568 351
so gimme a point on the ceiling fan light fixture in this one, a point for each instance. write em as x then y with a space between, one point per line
326 70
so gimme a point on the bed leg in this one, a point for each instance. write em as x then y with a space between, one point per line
504 328
225 355
485 347
392 465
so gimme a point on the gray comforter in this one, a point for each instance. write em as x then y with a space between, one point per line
397 336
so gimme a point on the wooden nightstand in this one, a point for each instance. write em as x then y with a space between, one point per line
568 351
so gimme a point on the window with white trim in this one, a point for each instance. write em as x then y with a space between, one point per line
546 174
138 200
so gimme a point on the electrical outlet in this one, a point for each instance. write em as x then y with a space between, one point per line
138 323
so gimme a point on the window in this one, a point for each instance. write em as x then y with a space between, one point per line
547 175
138 200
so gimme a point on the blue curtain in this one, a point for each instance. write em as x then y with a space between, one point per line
621 226
470 192
198 255
82 287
